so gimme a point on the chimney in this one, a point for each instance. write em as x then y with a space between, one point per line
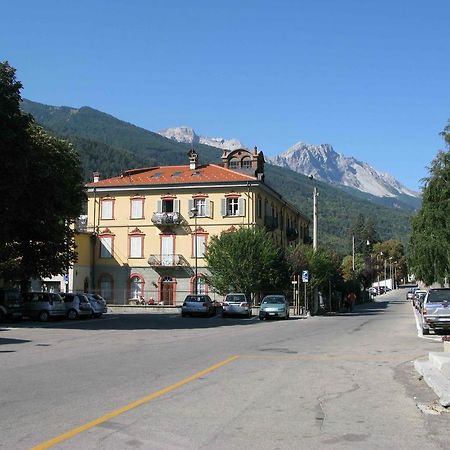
193 159
96 177
255 150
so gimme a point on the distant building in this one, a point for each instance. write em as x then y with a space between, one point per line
150 227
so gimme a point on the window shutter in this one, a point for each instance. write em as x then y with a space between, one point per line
190 206
223 206
136 209
159 206
208 208
107 209
176 206
241 207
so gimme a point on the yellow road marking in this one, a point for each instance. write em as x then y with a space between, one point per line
124 409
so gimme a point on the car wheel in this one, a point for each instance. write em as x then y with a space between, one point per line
72 314
425 331
261 318
44 316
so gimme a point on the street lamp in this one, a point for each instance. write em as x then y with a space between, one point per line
194 213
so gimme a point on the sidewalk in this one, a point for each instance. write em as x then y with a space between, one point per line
436 373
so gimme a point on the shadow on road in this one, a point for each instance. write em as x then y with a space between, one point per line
141 321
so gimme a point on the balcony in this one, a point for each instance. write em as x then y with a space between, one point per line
167 218
271 223
167 261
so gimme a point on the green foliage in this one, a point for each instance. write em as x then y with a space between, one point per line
36 239
429 257
358 274
245 261
322 264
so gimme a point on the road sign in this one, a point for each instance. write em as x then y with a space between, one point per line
305 276
66 278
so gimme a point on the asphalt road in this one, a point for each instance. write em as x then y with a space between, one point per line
157 381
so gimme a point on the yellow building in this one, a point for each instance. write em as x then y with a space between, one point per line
151 226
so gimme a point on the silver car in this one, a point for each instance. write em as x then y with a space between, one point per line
77 305
98 304
436 310
236 303
43 305
198 305
274 306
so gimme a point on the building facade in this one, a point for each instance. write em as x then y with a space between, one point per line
150 227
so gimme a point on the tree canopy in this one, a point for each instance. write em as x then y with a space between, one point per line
41 191
429 251
246 260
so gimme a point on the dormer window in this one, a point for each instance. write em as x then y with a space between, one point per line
234 164
246 163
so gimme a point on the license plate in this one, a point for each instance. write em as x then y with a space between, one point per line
271 314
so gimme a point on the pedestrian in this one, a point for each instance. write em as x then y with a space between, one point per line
350 301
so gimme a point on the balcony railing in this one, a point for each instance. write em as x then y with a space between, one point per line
271 223
175 260
166 218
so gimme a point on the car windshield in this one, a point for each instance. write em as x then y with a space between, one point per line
438 296
193 298
235 298
273 300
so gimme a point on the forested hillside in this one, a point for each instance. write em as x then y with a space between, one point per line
109 145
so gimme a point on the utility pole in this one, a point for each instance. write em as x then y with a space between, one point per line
315 195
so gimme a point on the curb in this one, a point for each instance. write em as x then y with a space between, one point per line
434 378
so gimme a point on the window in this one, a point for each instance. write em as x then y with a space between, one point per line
199 244
168 205
136 246
233 164
137 208
203 206
233 206
106 246
136 286
246 163
107 208
199 203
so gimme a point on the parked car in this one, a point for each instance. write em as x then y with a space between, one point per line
198 305
373 291
98 304
43 305
237 303
10 304
418 299
274 306
410 294
77 305
436 310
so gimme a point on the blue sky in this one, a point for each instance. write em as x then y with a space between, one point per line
369 77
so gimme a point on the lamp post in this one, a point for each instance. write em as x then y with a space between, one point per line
194 213
315 195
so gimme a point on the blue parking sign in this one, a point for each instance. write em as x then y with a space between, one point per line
305 276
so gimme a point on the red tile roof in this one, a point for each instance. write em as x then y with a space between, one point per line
208 173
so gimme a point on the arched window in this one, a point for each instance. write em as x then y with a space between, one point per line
246 163
136 286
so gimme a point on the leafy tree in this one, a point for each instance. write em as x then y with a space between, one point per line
358 274
322 264
36 238
246 260
429 253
